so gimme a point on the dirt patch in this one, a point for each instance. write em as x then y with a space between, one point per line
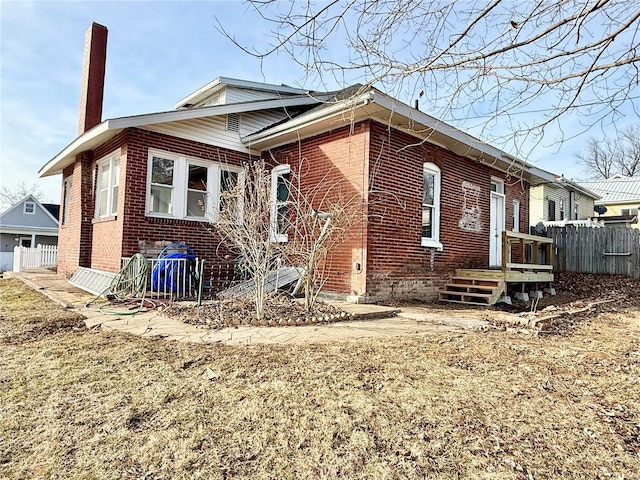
280 310
33 316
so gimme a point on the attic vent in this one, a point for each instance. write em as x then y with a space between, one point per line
233 122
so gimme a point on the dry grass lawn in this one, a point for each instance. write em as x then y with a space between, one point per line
80 404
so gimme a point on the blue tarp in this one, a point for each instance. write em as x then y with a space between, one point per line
175 270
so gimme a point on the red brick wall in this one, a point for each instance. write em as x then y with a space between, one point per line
397 264
101 243
74 237
332 167
382 169
200 236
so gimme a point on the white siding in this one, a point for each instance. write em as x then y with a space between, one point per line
210 130
237 95
539 203
536 202
255 121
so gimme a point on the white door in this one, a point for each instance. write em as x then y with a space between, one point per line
496 228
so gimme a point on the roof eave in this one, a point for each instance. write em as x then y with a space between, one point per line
475 149
222 82
109 128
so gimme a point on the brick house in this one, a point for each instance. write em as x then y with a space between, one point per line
435 198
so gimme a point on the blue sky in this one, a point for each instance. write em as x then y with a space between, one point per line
157 53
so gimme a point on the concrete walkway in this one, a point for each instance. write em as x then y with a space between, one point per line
374 320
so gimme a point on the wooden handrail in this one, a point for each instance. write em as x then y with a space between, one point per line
523 239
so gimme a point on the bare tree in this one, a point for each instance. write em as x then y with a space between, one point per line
245 227
526 63
320 217
609 156
11 196
314 219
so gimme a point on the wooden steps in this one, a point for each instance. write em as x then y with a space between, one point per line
474 287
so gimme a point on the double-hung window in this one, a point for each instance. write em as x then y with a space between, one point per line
431 206
29 208
280 204
161 196
187 188
107 185
197 190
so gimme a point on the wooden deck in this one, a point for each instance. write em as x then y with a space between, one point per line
486 286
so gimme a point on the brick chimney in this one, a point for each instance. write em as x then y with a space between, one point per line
95 59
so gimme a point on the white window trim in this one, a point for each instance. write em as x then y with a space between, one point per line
26 211
434 240
576 210
516 216
499 183
181 190
275 173
109 159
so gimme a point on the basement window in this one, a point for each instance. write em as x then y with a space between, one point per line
185 188
107 185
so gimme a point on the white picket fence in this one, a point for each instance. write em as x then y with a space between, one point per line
40 256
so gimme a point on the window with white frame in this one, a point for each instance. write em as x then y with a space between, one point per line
186 188
107 185
29 208
431 206
629 211
576 211
562 209
67 199
280 204
516 216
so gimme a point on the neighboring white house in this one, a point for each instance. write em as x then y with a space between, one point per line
28 223
560 201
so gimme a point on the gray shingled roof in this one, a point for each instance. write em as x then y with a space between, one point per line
617 189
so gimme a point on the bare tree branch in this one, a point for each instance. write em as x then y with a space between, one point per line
609 156
473 60
11 196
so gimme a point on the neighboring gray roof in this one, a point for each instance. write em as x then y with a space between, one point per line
41 220
617 189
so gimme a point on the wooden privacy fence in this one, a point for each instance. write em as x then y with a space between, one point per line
614 251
